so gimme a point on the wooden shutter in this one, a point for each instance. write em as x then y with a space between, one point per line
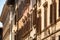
53 13
39 23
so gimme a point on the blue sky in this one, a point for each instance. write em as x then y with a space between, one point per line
1 5
2 2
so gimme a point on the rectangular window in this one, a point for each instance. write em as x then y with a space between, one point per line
20 9
53 13
34 16
39 22
45 13
45 17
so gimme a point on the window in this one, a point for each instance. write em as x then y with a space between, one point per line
45 16
50 13
45 13
34 16
39 22
53 13
20 10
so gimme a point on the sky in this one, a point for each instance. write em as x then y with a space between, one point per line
2 2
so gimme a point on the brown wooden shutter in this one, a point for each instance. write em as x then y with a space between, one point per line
53 13
39 23
50 14
45 13
34 16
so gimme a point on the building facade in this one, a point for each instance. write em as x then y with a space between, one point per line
50 29
43 16
7 18
32 20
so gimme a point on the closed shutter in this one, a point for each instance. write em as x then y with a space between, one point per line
50 14
39 25
45 17
34 17
45 13
53 13
39 22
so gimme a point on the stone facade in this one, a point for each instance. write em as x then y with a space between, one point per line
34 20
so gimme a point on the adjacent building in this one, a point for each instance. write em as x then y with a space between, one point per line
7 18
